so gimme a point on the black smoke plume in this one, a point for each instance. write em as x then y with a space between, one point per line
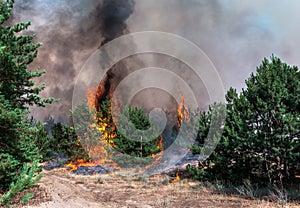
70 31
113 15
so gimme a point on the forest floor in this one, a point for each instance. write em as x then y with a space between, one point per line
122 189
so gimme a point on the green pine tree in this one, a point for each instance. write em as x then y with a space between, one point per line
18 152
261 135
17 81
16 143
140 143
65 142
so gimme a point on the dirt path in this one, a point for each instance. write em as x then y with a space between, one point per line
123 190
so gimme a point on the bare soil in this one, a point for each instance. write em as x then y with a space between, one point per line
61 189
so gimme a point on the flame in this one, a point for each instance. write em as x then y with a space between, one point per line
79 163
97 147
177 178
160 143
182 115
105 124
182 111
106 127
102 129
102 123
91 98
160 146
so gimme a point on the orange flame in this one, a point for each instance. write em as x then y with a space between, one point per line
182 111
91 98
103 123
97 148
160 143
79 163
160 146
177 178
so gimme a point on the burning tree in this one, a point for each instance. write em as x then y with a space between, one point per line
123 137
107 142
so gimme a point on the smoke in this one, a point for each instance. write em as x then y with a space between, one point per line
236 35
113 15
235 39
70 31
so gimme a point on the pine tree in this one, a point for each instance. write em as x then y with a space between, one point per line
273 118
17 91
65 142
16 143
123 135
261 139
16 80
85 123
135 139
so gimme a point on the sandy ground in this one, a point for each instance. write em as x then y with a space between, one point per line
124 190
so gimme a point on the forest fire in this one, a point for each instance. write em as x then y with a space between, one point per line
102 125
100 102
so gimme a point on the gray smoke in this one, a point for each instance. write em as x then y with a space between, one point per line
70 32
236 35
235 40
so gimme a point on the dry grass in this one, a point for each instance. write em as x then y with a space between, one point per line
124 189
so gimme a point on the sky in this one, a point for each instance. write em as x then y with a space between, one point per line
235 34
